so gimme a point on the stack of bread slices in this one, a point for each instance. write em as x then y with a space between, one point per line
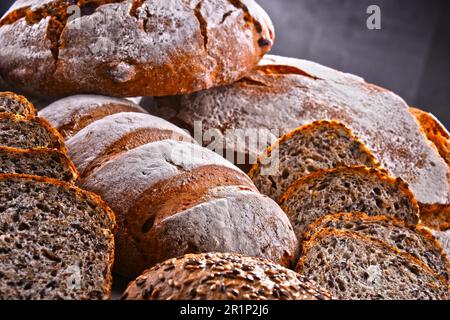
338 207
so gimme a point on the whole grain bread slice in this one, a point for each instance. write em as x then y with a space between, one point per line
17 132
316 146
16 104
43 162
417 241
56 241
347 189
352 266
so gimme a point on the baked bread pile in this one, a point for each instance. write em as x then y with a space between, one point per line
56 240
344 198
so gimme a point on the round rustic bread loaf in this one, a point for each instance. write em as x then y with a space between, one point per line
173 197
221 276
130 48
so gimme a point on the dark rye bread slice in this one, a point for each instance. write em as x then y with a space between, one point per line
347 189
56 240
281 94
418 242
70 115
351 266
222 276
316 146
16 104
17 132
42 162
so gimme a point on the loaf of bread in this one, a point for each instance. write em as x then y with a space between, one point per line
130 48
21 133
15 104
316 146
221 276
70 115
56 241
419 242
42 162
351 266
283 94
174 197
347 189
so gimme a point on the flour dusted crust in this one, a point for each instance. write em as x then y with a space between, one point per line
94 140
131 48
72 114
285 93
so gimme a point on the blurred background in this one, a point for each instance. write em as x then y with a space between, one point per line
410 55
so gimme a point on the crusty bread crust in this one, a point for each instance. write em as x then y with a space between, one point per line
84 194
69 164
188 46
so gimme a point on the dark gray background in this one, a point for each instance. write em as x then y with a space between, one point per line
410 55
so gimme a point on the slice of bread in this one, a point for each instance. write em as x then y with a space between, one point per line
42 162
15 104
351 266
316 146
416 241
17 132
56 241
347 189
222 276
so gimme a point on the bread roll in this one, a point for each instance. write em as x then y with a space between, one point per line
130 48
221 276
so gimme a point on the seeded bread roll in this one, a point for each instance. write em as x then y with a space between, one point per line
71 114
221 276
283 94
347 189
17 132
56 241
174 197
42 162
130 48
354 267
15 104
419 242
316 146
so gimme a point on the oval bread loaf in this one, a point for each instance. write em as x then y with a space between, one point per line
130 48
174 197
222 276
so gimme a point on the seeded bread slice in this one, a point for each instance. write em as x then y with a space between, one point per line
221 276
15 104
16 132
416 241
43 162
316 146
347 189
56 241
351 266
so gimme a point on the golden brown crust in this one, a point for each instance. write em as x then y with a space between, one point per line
30 110
69 164
84 194
58 141
398 182
256 167
435 216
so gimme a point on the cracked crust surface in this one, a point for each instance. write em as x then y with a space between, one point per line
131 48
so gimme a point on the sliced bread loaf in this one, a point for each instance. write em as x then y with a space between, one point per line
71 114
56 241
17 132
316 146
42 162
15 104
347 189
222 276
351 266
416 241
